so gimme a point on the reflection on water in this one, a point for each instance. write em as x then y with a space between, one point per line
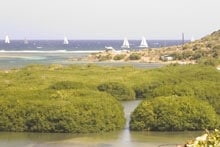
123 138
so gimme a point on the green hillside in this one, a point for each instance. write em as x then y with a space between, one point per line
205 50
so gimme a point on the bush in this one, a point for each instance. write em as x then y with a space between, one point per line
66 85
173 114
117 90
105 57
86 114
145 90
208 61
134 56
119 57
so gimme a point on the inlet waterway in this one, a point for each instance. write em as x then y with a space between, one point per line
123 138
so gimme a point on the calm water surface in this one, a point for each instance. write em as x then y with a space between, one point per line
123 138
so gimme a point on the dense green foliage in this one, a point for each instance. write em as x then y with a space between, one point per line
173 113
54 85
198 81
66 85
63 111
119 91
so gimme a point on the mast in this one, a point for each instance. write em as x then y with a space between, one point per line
183 38
183 41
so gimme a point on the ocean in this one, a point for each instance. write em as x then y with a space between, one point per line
18 53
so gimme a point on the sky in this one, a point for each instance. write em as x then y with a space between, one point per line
108 19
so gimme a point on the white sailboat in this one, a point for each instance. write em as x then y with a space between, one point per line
125 43
65 41
143 43
7 40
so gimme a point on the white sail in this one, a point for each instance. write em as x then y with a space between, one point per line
143 43
125 43
7 40
65 41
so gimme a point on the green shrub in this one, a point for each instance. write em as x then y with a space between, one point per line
145 90
117 90
94 112
66 85
119 56
134 56
173 114
208 61
105 57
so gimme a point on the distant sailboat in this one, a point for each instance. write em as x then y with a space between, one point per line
143 43
125 43
192 39
65 41
7 40
25 41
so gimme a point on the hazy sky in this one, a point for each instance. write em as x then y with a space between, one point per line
108 19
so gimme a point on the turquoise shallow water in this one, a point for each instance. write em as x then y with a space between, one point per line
17 60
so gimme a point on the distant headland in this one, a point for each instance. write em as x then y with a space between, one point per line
206 50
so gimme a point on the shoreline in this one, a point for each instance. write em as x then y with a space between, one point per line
17 61
14 60
146 56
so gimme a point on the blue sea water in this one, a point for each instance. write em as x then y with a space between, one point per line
78 45
18 54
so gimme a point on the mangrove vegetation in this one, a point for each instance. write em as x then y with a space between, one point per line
86 98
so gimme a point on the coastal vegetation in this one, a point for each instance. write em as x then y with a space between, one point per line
205 50
118 90
62 112
86 98
51 99
200 51
173 113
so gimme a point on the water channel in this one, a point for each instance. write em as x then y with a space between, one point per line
123 138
